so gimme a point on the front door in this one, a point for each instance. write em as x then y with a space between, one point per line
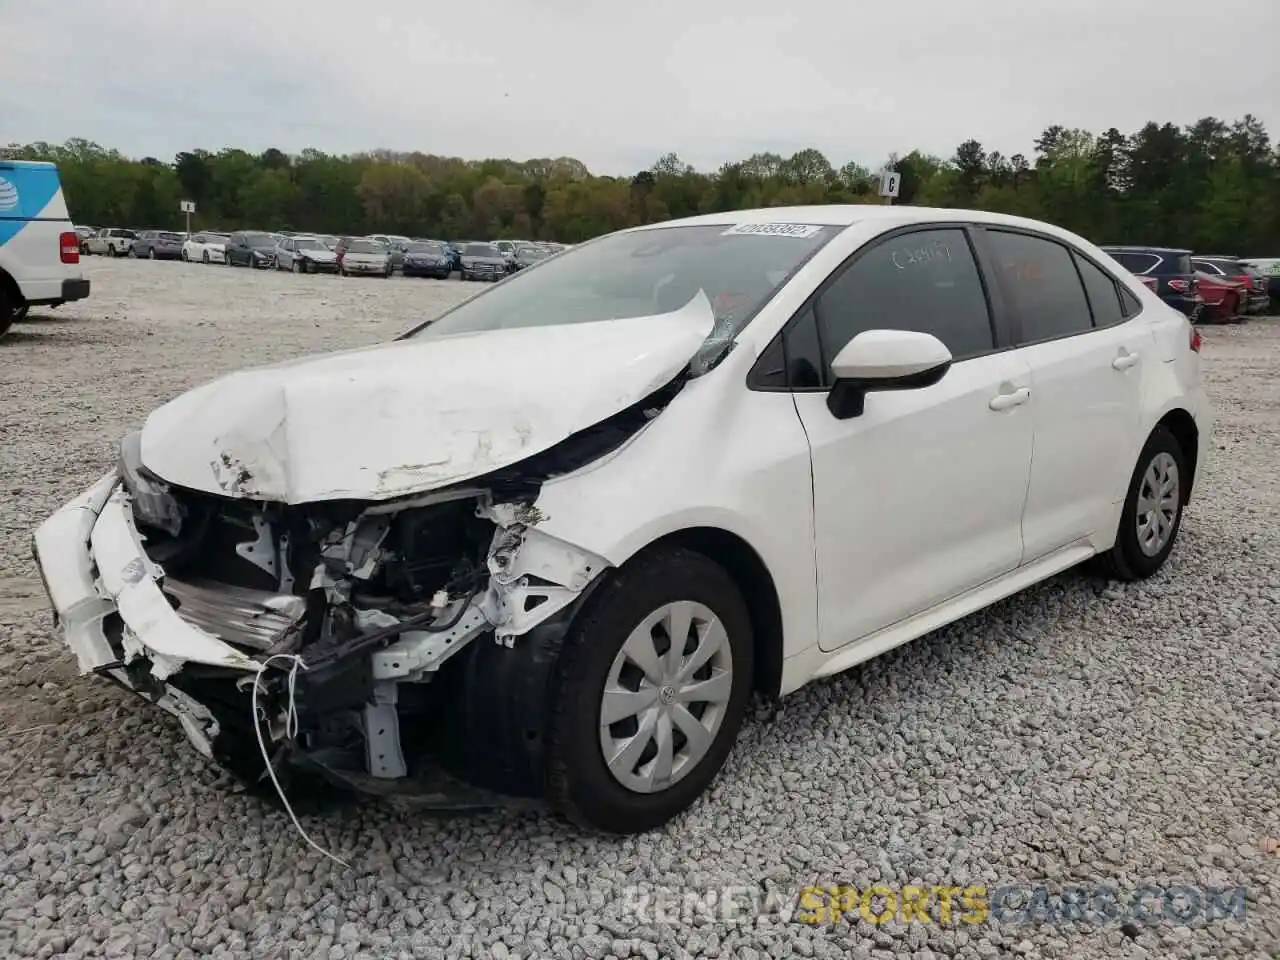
920 497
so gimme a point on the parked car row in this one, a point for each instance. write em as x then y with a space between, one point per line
376 255
1214 288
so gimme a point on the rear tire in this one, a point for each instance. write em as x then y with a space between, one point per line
580 781
1152 514
8 313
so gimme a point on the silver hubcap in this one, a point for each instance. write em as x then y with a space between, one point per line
1157 504
665 696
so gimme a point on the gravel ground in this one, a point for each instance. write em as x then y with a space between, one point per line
1078 733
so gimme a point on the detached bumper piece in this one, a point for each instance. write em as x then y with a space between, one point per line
83 607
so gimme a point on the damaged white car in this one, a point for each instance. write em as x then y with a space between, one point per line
548 544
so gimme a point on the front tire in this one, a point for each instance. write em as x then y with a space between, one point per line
638 726
1152 514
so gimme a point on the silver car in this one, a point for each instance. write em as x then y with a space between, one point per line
305 255
365 257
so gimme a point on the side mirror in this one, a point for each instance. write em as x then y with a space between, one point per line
884 360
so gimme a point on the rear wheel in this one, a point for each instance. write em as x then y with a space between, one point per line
1152 514
8 313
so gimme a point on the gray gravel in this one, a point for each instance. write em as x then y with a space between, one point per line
1079 733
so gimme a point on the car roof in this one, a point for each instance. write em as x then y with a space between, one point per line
1139 248
1214 256
847 214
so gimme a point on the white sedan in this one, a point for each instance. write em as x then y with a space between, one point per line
205 247
555 538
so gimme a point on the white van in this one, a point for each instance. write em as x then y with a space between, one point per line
39 247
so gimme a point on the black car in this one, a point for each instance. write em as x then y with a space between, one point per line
157 245
483 261
426 258
251 248
527 254
1167 271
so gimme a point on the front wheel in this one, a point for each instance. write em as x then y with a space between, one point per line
1152 514
648 693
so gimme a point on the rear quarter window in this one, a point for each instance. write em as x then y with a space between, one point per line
1135 262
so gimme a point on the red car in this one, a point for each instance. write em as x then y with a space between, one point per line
1223 297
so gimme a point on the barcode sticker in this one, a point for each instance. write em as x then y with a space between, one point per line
797 230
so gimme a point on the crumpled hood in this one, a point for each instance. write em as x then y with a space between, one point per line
413 415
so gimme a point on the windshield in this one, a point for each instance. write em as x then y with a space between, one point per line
365 246
642 274
480 250
431 248
309 243
259 239
531 253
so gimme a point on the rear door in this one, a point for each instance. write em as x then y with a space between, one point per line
1086 359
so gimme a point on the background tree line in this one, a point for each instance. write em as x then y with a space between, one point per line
1210 186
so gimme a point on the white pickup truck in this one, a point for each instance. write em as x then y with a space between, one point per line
39 248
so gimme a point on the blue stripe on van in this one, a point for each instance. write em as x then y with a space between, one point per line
25 191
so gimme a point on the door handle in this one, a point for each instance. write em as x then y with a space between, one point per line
1125 361
1007 401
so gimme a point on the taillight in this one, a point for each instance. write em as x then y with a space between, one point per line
69 247
1178 285
1195 340
1151 283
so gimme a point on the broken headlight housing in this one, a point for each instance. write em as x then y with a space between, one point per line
153 505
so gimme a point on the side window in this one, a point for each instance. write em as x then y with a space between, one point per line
1138 263
1103 291
925 281
1040 277
1132 305
805 369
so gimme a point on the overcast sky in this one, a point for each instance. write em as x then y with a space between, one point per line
617 84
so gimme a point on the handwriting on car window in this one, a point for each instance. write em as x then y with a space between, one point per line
1024 271
928 254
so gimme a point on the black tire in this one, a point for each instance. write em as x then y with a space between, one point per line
1126 560
579 784
8 313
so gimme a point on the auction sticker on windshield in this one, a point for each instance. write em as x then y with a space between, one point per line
797 230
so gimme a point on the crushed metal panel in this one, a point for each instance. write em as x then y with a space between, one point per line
413 415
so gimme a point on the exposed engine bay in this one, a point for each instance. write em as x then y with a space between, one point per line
376 600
